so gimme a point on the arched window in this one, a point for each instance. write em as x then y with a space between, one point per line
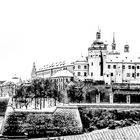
79 67
85 74
78 74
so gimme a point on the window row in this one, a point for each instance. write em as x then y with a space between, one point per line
79 74
127 74
79 67
95 55
124 66
133 74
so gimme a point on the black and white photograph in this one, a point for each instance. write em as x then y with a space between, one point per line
69 70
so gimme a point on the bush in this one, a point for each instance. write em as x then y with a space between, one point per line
13 124
38 124
93 119
3 104
66 121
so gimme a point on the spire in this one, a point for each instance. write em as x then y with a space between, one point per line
113 43
98 34
113 37
33 73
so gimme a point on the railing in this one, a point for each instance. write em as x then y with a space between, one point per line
97 48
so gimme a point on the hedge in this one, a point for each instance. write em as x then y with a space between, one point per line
42 124
93 119
3 105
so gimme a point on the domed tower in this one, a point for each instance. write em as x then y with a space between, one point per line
97 58
33 73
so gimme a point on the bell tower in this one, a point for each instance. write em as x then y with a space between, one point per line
97 58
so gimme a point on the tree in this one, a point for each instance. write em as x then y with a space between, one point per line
75 93
23 95
38 89
52 91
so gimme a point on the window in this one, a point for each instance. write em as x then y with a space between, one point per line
107 75
66 80
92 64
123 66
129 66
85 67
73 67
85 74
128 74
138 74
138 67
79 73
133 67
133 74
109 66
114 66
91 73
79 67
111 74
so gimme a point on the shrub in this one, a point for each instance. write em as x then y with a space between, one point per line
93 119
3 104
67 122
13 124
41 124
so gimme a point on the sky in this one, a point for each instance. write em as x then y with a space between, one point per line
48 31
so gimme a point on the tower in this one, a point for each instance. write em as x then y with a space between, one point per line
98 34
97 58
113 43
33 73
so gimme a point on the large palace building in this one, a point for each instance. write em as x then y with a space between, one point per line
100 65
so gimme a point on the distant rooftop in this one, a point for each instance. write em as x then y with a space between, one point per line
55 65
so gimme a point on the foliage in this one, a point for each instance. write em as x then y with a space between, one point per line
42 124
37 89
23 94
13 125
75 93
90 92
3 104
65 119
93 119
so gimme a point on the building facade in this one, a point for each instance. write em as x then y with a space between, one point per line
100 64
